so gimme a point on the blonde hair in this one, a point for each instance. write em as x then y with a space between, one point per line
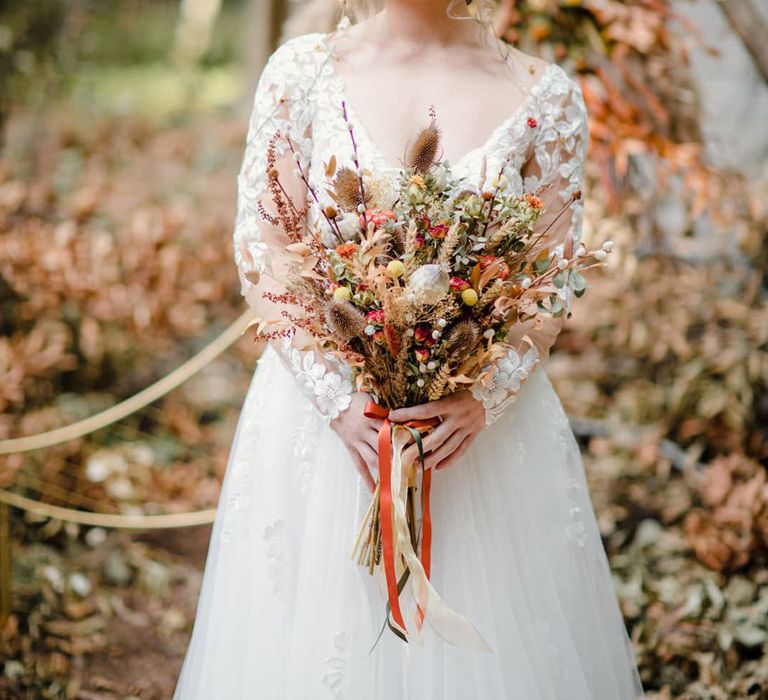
480 10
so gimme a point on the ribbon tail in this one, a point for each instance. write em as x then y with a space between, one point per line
387 535
425 530
453 627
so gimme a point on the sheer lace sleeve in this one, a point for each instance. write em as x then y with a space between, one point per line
283 102
557 166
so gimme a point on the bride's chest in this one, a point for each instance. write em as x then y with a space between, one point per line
337 132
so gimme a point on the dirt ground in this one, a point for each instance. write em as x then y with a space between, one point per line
142 659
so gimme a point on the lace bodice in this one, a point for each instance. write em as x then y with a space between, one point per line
301 95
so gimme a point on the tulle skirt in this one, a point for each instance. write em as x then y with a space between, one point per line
285 614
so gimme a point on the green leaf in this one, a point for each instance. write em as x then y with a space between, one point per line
578 283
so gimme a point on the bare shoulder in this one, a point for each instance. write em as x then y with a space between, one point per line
529 67
551 77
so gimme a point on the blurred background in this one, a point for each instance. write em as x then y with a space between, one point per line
122 125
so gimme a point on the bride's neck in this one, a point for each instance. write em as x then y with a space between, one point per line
425 22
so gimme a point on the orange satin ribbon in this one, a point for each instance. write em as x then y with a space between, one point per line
374 410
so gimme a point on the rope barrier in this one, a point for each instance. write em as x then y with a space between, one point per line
135 402
111 520
89 425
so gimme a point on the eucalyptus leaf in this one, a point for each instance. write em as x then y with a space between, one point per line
578 283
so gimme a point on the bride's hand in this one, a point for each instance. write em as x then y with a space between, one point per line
359 435
462 418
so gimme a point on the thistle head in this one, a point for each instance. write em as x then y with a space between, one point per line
347 187
422 153
345 320
461 339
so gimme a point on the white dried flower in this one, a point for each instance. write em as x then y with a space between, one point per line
500 182
382 191
349 225
600 255
428 284
440 173
328 238
415 193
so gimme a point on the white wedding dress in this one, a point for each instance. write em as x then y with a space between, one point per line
284 613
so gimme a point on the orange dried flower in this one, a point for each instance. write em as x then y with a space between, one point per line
346 250
533 201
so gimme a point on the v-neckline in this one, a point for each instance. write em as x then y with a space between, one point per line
362 131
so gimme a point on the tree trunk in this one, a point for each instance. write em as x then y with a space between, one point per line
752 27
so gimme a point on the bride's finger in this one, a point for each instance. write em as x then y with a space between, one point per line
371 438
375 423
445 450
424 411
456 453
363 459
369 454
431 442
433 439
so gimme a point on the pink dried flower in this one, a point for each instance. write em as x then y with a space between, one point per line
379 217
438 230
458 285
376 316
421 332
422 354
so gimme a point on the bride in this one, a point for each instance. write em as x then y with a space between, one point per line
284 613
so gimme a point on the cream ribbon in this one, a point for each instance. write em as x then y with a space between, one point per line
453 627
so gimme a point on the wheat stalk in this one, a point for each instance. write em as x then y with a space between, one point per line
437 384
450 242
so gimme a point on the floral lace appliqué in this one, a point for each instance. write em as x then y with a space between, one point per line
337 664
330 391
273 538
239 493
508 375
303 445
